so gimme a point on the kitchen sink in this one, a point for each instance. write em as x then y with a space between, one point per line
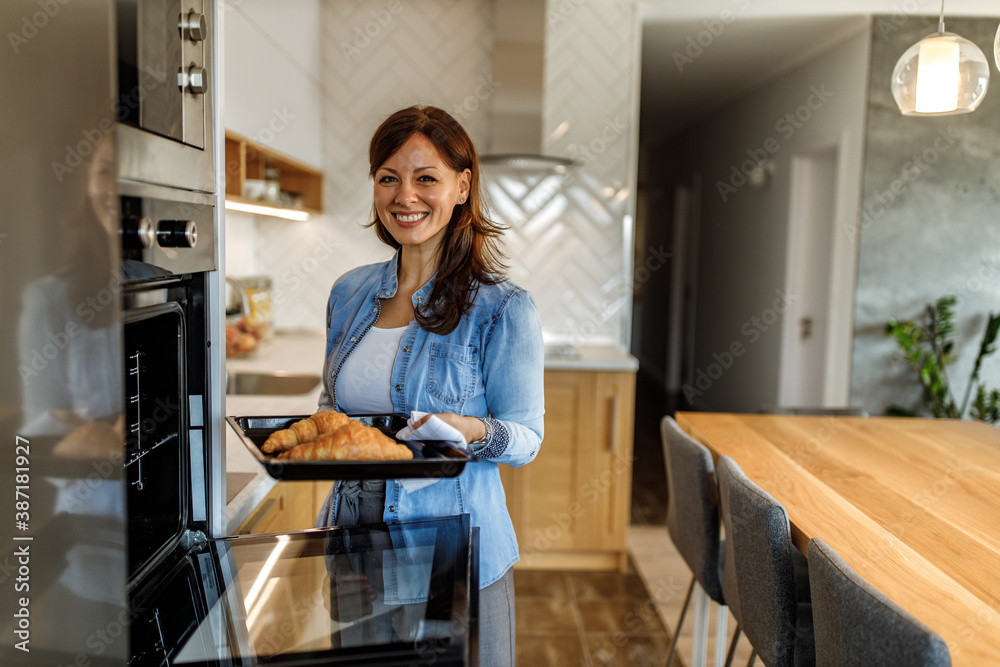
283 384
561 352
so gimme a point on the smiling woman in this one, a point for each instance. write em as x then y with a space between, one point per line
440 330
416 193
423 161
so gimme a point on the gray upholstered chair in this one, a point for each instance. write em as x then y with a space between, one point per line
693 523
857 625
765 580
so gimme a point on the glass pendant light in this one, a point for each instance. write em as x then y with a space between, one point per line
996 48
941 75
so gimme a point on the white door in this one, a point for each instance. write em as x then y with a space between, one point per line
812 256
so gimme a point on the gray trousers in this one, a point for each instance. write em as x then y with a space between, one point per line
496 622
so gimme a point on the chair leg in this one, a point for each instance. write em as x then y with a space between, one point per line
732 646
680 622
699 647
753 658
721 625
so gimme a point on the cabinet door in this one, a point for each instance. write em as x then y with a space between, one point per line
544 497
288 506
570 506
614 411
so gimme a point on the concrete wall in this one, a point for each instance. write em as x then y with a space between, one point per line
743 229
928 224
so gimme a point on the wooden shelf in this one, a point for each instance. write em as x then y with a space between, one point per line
246 159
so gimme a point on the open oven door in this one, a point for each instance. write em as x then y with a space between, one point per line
382 594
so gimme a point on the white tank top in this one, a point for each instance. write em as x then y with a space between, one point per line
364 381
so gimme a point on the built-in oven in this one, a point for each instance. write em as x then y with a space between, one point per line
384 594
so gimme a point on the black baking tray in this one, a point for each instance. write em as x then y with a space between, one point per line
431 458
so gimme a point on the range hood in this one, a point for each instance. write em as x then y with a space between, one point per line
519 57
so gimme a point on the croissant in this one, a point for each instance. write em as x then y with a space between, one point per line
352 442
305 430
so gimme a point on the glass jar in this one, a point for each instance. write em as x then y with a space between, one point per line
272 185
260 297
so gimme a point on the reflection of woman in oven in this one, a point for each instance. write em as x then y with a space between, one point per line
382 591
70 344
448 335
71 369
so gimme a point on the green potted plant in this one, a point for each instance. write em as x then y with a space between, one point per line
928 348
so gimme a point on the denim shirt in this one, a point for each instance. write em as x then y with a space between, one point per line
491 365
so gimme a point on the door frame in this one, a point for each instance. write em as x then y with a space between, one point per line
836 387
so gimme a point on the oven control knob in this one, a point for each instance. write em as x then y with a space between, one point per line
194 26
194 79
138 232
177 234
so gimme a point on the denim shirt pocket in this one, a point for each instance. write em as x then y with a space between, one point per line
453 369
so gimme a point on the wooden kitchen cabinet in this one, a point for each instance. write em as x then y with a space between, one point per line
246 159
288 506
570 506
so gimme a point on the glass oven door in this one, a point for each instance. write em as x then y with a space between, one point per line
156 432
386 594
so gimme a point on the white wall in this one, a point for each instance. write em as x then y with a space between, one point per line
743 232
272 95
570 236
675 9
273 89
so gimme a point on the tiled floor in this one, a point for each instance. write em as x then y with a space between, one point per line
666 576
586 618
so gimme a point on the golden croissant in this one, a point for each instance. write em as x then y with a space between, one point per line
352 442
304 431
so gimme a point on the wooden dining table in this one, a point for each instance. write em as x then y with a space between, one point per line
913 505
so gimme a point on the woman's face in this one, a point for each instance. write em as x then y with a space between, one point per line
101 184
416 192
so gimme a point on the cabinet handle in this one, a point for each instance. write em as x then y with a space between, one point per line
613 426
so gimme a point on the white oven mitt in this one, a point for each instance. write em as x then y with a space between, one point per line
433 429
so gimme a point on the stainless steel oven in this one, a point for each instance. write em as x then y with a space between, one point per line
166 66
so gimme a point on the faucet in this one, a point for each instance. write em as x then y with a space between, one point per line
241 292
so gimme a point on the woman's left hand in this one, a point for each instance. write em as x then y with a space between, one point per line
471 428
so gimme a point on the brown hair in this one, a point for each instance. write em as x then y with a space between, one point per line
469 253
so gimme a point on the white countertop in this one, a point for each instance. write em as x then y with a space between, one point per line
302 352
288 352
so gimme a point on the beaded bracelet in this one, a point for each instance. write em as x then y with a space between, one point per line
485 440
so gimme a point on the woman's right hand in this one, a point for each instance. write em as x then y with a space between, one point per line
471 428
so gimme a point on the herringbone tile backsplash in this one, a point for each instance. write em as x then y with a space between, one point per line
568 232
